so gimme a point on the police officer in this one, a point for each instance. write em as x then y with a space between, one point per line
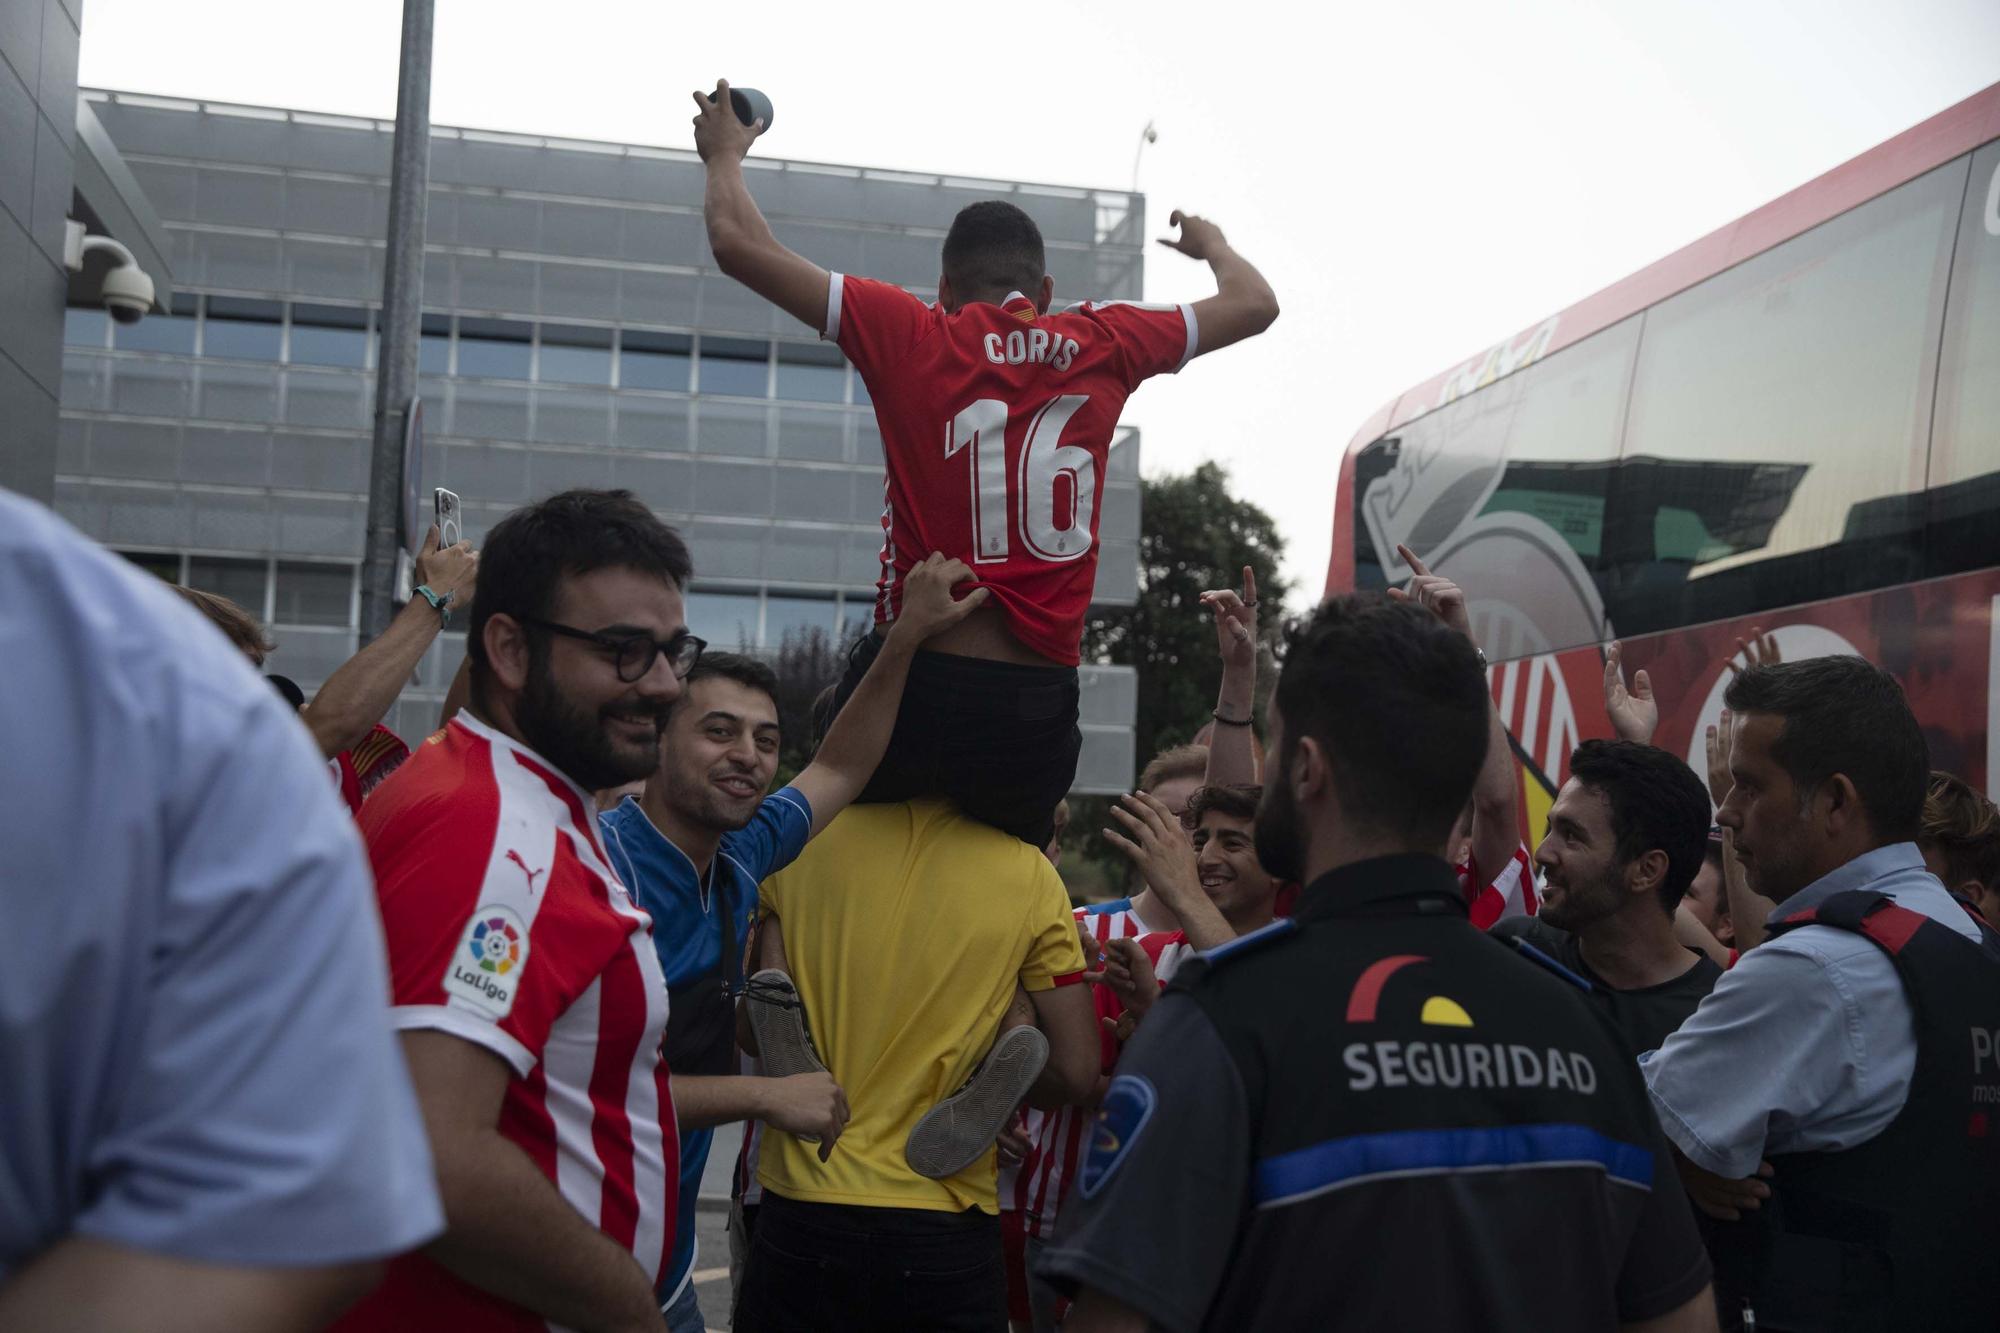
1837 1096
1373 1116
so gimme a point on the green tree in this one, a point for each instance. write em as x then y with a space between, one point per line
1195 535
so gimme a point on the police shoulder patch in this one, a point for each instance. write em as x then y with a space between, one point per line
1128 1105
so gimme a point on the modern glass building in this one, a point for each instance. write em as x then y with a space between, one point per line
575 334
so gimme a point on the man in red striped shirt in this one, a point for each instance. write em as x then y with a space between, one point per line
525 982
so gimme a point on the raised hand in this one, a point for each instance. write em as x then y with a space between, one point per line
1435 593
1235 621
1718 738
717 131
929 604
1760 649
1199 238
452 572
1158 846
1635 714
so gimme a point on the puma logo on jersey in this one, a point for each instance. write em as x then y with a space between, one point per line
532 875
1031 346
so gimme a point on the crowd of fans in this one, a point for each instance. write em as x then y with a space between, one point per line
1351 1055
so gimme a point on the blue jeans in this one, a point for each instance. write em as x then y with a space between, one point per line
684 1315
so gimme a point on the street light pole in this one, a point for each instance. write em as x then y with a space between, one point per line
1146 136
402 303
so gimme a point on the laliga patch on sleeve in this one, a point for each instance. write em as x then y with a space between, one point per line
486 967
1122 1116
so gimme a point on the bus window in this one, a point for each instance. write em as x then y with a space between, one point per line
1965 441
1507 489
1781 408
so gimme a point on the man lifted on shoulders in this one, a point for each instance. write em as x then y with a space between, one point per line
996 418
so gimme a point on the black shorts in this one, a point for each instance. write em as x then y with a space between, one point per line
998 739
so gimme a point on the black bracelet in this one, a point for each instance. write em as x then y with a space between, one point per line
1229 721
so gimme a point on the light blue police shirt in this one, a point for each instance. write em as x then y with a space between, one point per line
195 1052
1808 1043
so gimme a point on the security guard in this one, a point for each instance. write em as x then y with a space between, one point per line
1373 1116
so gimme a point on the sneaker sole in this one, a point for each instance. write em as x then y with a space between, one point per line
782 1042
957 1131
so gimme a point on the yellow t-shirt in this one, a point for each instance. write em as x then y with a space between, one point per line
906 927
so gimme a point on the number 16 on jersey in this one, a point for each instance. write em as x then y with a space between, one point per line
1033 490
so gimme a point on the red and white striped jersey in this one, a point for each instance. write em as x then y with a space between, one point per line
1511 893
507 928
1059 1138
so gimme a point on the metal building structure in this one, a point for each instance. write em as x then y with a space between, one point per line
575 333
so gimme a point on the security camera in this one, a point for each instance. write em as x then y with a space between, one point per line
127 291
128 294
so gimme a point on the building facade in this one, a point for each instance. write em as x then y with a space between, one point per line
576 333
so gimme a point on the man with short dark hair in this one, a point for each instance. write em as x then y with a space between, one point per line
700 838
1026 400
1838 1047
1488 1160
525 981
1626 837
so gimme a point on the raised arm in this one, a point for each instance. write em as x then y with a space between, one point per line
741 240
364 687
1232 754
1496 829
1243 305
855 742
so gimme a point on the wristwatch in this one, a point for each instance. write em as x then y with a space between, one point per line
440 602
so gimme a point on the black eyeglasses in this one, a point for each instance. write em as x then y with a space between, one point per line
634 654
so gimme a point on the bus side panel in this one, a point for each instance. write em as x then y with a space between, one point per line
1938 638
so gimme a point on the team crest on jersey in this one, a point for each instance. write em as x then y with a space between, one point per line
486 969
1128 1105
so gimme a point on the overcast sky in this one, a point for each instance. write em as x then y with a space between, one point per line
1419 179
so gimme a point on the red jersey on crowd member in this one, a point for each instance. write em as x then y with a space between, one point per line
1062 1135
1026 404
1510 893
360 769
506 928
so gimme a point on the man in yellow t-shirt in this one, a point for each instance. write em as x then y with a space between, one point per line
907 929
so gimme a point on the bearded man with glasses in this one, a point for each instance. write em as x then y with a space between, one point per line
526 986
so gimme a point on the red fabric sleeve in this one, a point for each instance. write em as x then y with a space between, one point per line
1151 340
875 323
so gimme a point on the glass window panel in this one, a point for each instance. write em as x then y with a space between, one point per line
727 620
160 564
1785 402
242 329
495 348
434 347
241 581
85 328
312 594
654 360
329 335
795 617
732 428
735 366
651 423
861 391
805 432
159 333
573 354
1964 474
813 373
